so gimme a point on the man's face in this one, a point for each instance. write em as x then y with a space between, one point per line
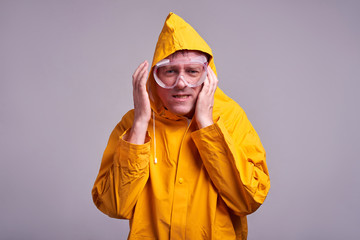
180 100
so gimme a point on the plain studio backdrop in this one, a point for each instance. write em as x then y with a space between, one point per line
65 72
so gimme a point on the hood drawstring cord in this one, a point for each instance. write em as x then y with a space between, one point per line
155 159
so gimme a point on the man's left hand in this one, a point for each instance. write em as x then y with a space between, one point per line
205 101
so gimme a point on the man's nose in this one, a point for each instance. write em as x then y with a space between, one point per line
181 82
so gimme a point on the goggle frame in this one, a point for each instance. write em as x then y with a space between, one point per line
201 59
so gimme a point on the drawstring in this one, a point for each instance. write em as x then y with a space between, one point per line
153 115
155 159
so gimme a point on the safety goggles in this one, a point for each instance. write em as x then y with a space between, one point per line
168 73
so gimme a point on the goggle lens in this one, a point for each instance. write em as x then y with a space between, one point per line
167 74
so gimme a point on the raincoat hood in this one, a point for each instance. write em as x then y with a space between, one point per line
176 35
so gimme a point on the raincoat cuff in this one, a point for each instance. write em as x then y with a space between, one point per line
133 156
215 128
211 137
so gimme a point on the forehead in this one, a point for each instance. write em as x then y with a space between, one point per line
184 56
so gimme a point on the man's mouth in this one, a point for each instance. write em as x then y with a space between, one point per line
181 96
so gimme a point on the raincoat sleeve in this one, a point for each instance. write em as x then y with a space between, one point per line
235 161
123 173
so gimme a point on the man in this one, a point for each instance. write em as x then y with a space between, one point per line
185 163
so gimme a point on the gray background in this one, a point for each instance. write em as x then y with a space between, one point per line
65 71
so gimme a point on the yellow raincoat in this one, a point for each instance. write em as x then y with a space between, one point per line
205 180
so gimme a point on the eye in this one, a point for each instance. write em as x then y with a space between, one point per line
193 71
168 71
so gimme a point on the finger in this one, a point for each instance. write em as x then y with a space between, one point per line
140 67
143 73
140 85
140 81
211 75
213 80
138 70
208 84
205 87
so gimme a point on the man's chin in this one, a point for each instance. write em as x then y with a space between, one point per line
183 112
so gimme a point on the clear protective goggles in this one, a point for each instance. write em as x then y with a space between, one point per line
168 73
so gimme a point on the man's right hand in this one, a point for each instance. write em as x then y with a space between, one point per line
141 105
